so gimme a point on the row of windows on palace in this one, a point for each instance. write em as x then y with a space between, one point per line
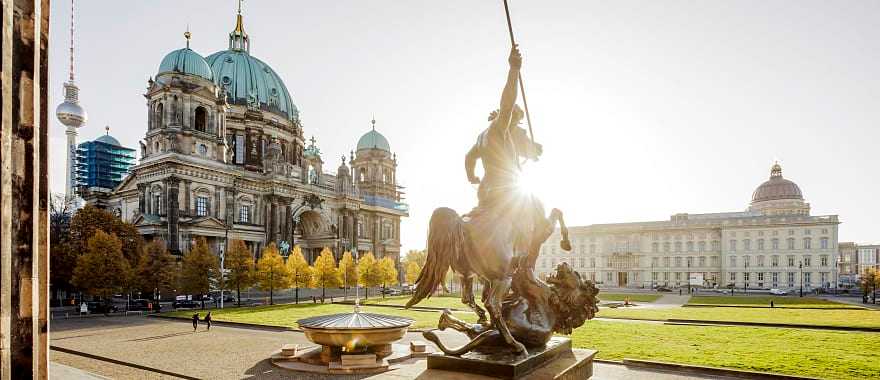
733 246
244 216
703 235
759 278
791 260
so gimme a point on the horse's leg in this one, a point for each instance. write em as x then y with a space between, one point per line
499 289
467 297
483 337
556 215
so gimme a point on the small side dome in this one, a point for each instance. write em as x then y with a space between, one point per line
107 139
186 61
373 140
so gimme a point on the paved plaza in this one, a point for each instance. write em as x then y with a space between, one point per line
223 353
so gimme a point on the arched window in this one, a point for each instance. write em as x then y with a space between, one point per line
157 118
201 119
156 147
313 175
362 175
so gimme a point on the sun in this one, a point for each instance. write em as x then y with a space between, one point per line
528 181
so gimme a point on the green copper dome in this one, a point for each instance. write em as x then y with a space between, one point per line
248 80
186 61
373 140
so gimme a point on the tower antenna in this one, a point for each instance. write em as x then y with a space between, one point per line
71 41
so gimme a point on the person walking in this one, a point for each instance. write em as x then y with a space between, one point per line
208 320
195 319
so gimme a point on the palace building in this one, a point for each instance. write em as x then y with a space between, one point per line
224 157
775 243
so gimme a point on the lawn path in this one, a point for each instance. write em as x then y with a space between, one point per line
670 300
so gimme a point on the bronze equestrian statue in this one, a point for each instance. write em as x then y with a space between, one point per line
498 241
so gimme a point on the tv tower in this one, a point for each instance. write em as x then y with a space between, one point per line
73 116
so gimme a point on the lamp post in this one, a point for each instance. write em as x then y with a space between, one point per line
689 275
801 268
652 274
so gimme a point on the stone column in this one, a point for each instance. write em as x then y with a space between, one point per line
230 206
187 205
142 194
24 190
172 210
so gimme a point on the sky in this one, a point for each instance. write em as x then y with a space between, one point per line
644 108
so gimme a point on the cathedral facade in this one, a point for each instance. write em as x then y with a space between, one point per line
774 244
224 157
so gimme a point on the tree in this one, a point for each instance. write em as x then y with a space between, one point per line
90 218
201 269
300 272
324 272
369 272
419 257
348 270
62 258
240 265
156 268
387 273
869 281
102 270
412 272
271 272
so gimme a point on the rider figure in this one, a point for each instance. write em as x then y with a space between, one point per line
502 144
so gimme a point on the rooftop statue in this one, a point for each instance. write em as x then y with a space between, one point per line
498 243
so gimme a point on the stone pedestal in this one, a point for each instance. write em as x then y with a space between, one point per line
576 364
503 363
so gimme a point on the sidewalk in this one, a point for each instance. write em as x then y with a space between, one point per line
62 372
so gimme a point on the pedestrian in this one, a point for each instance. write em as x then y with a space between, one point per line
679 291
771 304
208 320
195 319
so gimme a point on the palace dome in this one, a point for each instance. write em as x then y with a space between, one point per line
186 61
777 188
107 139
373 140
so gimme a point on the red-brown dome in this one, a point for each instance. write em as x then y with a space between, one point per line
777 188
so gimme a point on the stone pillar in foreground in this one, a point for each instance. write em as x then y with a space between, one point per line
24 190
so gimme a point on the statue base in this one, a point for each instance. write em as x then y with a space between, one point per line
508 365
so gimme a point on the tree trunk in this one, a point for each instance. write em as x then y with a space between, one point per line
322 292
238 294
296 295
384 289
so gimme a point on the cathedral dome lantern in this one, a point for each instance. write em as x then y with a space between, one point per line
247 80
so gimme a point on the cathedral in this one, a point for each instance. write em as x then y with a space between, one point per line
224 157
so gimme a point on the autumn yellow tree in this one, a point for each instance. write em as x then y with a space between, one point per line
369 272
300 272
419 256
387 273
240 265
271 272
102 270
200 270
412 272
156 270
324 272
348 271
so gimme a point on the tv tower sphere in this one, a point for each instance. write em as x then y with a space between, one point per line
70 113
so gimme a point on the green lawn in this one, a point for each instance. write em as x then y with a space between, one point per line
443 302
823 354
287 315
634 297
786 301
823 317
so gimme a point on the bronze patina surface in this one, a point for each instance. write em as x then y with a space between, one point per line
497 243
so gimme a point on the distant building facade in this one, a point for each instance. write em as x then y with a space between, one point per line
224 157
775 243
101 165
847 264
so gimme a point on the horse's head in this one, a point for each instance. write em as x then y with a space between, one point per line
575 301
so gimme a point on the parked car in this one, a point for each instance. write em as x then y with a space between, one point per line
228 297
141 305
663 289
391 292
186 304
778 292
101 307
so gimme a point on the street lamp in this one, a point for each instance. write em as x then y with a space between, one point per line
801 268
689 274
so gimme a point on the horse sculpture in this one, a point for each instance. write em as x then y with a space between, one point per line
492 245
533 312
